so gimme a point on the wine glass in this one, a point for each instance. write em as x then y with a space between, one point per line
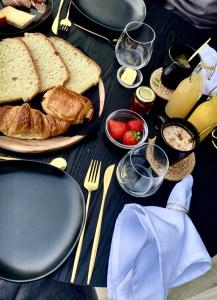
134 47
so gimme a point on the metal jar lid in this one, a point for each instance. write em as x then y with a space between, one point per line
145 94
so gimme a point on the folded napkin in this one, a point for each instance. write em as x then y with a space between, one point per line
154 249
209 57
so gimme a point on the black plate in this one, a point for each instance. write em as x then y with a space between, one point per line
112 14
41 216
12 31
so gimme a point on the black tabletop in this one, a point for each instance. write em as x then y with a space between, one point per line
170 29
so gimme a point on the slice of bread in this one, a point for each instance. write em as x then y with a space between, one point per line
83 71
49 64
18 76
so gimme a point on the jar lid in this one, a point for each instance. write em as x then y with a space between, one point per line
145 94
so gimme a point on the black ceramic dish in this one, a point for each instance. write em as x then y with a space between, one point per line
112 14
174 154
41 216
9 30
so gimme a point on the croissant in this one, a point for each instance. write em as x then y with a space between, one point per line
67 105
24 122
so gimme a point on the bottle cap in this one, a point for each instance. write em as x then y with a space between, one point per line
145 94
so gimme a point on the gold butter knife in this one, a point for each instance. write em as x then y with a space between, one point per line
55 25
106 182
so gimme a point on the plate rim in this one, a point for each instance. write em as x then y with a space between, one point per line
101 24
47 165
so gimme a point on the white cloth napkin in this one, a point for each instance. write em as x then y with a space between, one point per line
209 56
154 249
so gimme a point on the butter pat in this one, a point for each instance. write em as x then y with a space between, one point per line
129 76
17 18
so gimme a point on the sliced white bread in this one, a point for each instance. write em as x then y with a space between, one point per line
18 76
83 71
49 64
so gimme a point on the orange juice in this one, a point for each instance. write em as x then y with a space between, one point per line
205 117
186 95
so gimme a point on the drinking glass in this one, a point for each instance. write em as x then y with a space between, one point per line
142 170
176 66
134 47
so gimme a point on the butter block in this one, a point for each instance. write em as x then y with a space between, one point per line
16 17
129 76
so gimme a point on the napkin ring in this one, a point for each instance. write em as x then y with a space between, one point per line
177 207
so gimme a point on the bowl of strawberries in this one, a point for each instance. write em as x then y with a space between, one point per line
126 129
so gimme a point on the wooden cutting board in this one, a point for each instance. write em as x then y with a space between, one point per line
52 144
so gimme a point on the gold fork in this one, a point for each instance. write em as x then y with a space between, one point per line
65 25
55 24
91 183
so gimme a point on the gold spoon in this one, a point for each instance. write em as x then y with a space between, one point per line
57 162
198 50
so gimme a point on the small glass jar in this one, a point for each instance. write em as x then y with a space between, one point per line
142 100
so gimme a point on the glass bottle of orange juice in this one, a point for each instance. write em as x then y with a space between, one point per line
204 118
189 91
186 95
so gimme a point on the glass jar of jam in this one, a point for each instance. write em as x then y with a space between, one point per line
142 100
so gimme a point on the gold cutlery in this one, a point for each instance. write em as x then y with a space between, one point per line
106 182
91 183
55 25
57 162
65 25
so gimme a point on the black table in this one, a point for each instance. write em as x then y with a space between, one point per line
170 29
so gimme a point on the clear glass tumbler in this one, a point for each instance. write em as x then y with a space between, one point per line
142 170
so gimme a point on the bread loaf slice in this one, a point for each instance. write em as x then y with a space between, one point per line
18 76
83 71
49 64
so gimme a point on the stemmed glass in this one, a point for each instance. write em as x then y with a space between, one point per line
134 47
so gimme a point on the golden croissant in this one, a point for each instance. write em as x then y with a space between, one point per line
24 122
67 105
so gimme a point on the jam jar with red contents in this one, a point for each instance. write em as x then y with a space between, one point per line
142 100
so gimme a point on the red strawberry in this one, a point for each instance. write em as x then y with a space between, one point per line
135 125
117 129
131 137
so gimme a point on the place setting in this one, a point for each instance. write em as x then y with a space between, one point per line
54 97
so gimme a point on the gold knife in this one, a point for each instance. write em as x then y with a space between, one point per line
55 25
106 182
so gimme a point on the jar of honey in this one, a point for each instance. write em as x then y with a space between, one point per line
142 100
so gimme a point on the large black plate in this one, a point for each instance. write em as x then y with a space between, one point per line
41 216
40 18
112 14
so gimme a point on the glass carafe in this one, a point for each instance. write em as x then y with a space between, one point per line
204 118
188 93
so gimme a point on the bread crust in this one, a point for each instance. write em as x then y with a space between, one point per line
67 105
37 88
42 36
84 56
24 122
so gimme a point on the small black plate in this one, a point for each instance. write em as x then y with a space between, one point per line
41 216
40 18
112 14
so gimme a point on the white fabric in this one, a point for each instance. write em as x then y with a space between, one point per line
209 56
154 249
